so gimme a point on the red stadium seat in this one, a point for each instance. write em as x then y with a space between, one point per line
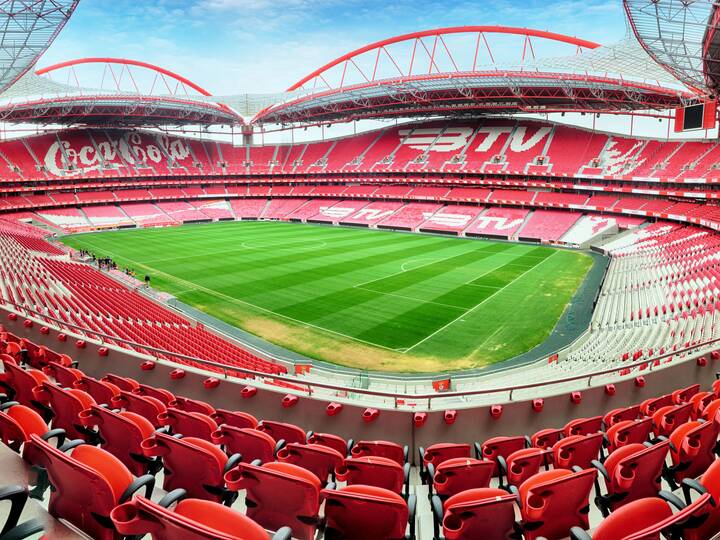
188 424
375 471
583 426
332 441
627 432
437 453
486 513
121 434
363 512
460 474
283 431
147 407
631 472
546 438
18 422
250 443
101 391
667 418
88 484
192 464
501 447
620 415
234 418
319 460
191 519
577 451
551 502
520 465
385 449
279 495
66 406
19 384
652 519
692 450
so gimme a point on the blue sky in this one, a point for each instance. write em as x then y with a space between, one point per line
233 46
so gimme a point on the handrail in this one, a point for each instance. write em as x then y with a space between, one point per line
375 393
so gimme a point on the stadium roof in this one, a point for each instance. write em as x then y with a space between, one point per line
434 75
682 36
27 28
468 70
129 93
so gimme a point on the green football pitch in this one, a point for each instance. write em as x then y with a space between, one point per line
362 298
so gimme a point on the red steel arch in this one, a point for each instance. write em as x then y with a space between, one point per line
438 33
124 62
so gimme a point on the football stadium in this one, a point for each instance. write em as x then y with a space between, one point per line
461 282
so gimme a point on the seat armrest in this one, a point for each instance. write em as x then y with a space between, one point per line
478 450
577 533
18 496
171 498
147 481
7 404
232 462
690 484
284 533
58 434
280 445
671 499
437 512
421 462
412 507
69 445
26 529
406 453
601 468
406 478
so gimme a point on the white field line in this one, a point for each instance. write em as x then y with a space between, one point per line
403 270
477 305
241 302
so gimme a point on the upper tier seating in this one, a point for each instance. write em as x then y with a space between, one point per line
503 222
410 216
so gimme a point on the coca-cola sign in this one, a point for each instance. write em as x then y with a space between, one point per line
75 156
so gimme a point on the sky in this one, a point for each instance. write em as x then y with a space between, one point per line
238 46
264 46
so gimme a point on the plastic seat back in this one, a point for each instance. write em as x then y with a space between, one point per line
649 406
522 464
583 426
632 518
121 434
437 453
460 474
190 405
546 438
192 519
64 375
192 464
123 383
372 471
278 495
683 395
692 450
486 513
666 419
66 405
502 446
250 443
21 382
289 433
554 501
384 449
635 472
319 460
234 418
101 391
577 451
17 423
87 484
188 424
621 414
147 407
628 432
330 440
363 512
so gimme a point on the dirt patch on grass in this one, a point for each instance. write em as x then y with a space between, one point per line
347 352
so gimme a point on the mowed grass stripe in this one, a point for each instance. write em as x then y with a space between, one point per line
390 289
